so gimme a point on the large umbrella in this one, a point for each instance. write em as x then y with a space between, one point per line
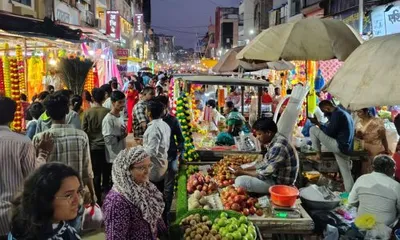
370 76
229 63
307 39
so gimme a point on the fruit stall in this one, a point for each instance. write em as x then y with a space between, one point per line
209 191
199 145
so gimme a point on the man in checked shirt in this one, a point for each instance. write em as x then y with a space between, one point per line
139 112
279 166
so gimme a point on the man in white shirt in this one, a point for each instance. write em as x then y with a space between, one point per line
156 141
378 193
113 129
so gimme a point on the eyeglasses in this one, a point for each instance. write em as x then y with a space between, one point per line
144 168
70 197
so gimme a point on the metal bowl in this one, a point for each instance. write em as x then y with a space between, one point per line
319 205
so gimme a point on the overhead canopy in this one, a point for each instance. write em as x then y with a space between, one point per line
229 63
220 80
370 76
306 39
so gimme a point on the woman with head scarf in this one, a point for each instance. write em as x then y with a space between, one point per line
133 208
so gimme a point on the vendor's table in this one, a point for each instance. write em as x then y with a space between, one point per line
328 163
215 156
270 226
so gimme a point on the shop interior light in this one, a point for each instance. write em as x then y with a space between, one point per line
103 56
91 52
52 62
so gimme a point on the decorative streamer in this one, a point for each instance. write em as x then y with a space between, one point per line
89 82
15 94
2 85
21 70
6 71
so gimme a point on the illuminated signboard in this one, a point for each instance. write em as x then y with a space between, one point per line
113 27
138 23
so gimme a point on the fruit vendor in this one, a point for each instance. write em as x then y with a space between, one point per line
279 166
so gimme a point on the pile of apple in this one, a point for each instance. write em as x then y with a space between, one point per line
233 228
238 200
202 183
220 170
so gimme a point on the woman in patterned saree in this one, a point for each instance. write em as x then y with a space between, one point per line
133 208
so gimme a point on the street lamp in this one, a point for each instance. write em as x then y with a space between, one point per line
251 32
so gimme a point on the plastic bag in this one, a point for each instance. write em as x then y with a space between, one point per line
92 217
331 233
365 222
380 231
391 135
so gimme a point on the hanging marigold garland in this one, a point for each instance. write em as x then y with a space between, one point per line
6 71
21 70
15 94
89 82
2 86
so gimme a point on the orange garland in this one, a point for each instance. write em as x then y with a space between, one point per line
21 70
15 94
89 82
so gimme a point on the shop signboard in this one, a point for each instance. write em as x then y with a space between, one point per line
113 24
138 23
122 53
386 19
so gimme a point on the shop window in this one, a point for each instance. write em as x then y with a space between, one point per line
24 2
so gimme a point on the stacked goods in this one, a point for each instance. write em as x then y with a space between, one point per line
201 183
197 227
238 200
184 116
221 172
234 228
199 201
191 169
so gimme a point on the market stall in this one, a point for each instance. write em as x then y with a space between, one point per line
185 106
207 190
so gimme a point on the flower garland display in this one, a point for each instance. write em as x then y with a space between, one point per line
196 112
2 87
21 70
89 82
36 67
15 94
183 113
6 72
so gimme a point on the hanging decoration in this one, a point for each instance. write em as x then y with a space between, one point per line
21 70
6 71
35 74
89 82
183 113
15 94
196 112
312 96
319 81
2 86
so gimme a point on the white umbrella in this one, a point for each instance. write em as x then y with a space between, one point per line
370 76
229 63
306 39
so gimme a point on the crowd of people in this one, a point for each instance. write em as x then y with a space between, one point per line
75 154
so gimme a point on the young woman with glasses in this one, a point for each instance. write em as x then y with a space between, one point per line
51 197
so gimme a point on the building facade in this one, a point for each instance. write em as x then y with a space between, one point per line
226 29
164 47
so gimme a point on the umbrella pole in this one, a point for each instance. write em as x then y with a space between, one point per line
306 69
242 99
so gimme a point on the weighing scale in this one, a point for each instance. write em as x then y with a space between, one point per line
285 212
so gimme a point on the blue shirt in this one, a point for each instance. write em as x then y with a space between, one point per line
341 128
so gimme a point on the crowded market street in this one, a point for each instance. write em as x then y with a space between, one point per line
185 119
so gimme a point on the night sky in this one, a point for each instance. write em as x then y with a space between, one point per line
183 18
